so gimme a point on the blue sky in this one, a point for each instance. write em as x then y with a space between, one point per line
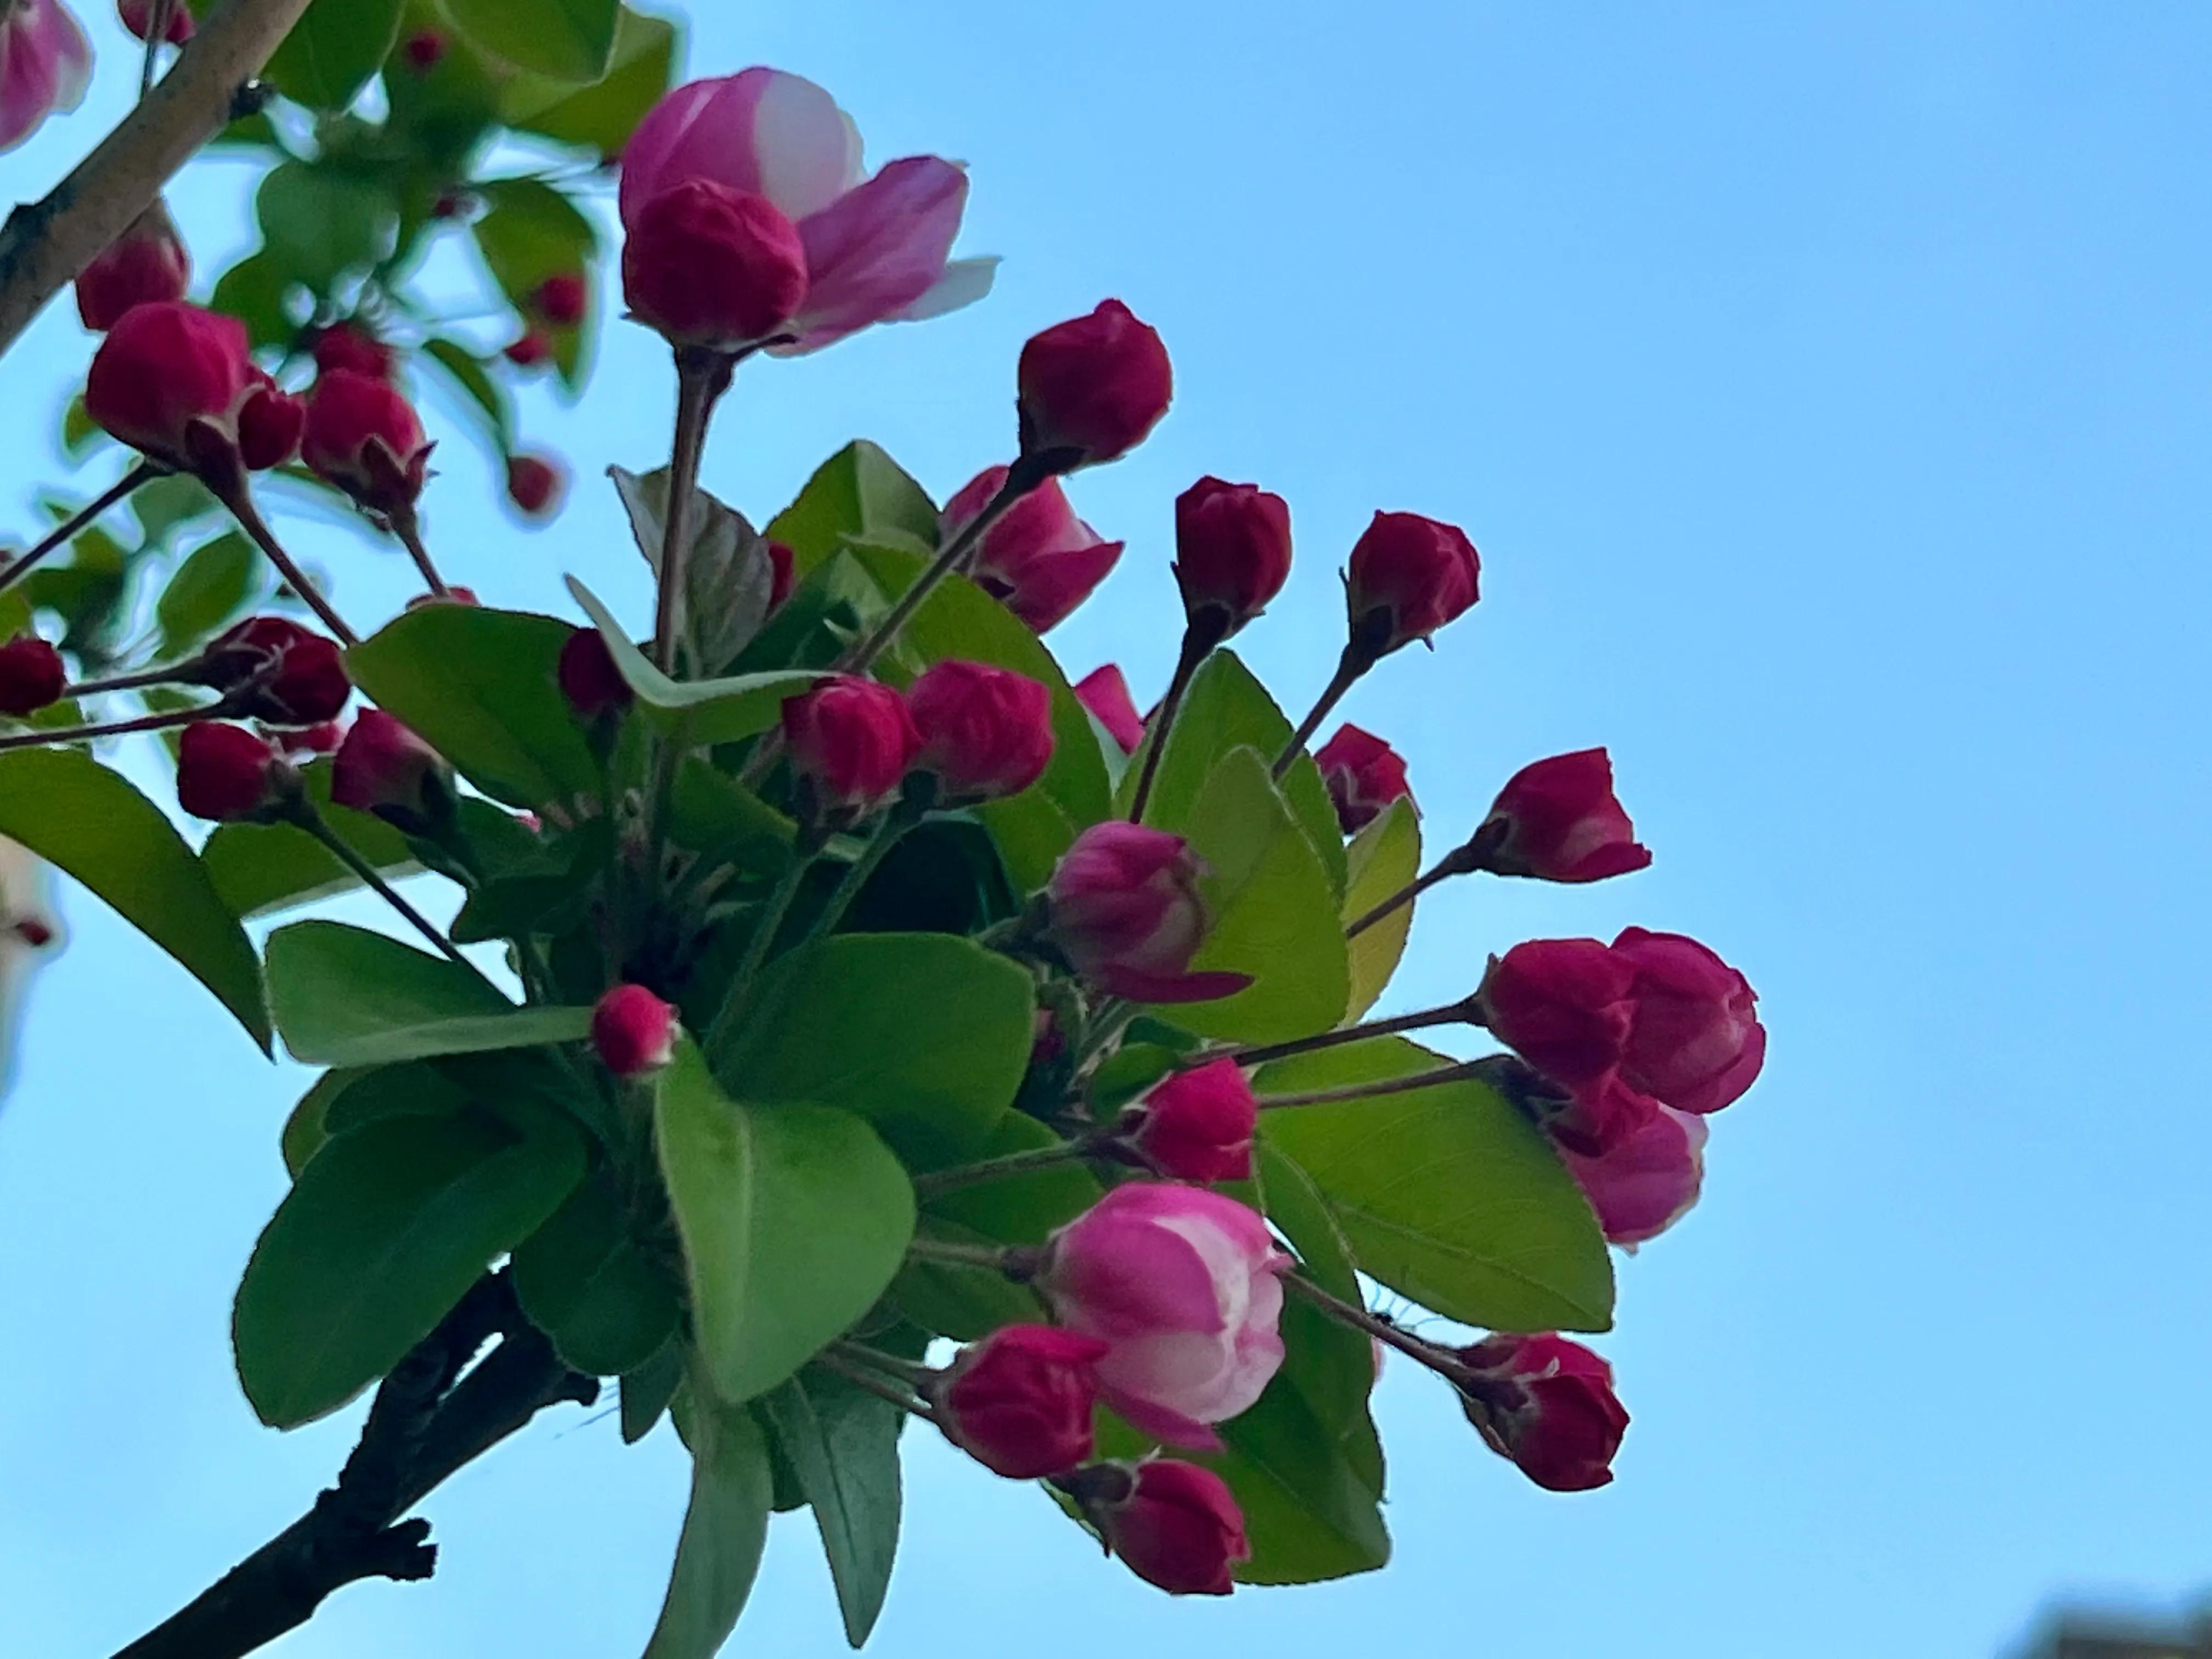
1828 387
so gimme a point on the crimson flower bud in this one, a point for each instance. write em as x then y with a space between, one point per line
146 262
532 349
985 732
1127 913
852 741
1105 693
561 300
352 346
534 484
1557 820
363 437
1090 388
1232 551
270 668
1178 1528
168 381
1410 576
1648 1180
423 51
707 266
1696 1042
1548 1405
137 16
308 741
1037 558
456 594
782 572
1020 1401
587 675
31 675
1566 1007
634 1031
1198 1125
383 768
1363 773
230 775
271 422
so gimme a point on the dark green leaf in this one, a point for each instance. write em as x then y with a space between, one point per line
843 1444
725 1530
384 1230
80 432
586 1283
212 586
1384 858
485 395
706 711
262 867
162 504
255 291
601 116
317 223
532 232
860 492
647 1391
90 823
308 1127
724 822
568 40
337 45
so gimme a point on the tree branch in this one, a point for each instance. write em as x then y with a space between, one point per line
45 244
426 1421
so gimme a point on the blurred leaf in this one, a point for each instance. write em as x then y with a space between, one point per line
843 1444
725 1530
337 45
91 824
488 395
317 223
213 585
1384 859
254 290
705 711
858 492
384 1230
585 1283
162 504
531 232
602 115
81 433
261 867
568 40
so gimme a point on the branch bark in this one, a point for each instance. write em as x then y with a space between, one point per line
426 1421
45 244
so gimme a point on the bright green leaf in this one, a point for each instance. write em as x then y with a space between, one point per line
601 116
1384 858
337 45
585 1281
725 1530
562 40
706 711
213 585
486 396
531 232
1308 1512
843 1444
317 223
1332 1364
858 493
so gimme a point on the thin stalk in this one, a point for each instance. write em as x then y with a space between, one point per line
143 472
1020 480
311 821
239 500
914 1371
699 377
999 1169
896 822
830 1360
157 27
409 529
765 932
1350 1313
990 1257
1373 1028
1405 896
1396 1086
1349 667
170 674
111 728
1465 859
1197 641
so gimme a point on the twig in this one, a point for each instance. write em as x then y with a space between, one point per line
68 527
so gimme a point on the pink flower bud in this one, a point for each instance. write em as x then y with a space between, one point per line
271 668
45 64
1090 388
227 774
1178 1528
1020 1401
852 740
1695 1042
534 483
271 423
363 437
1105 693
561 300
634 1031
1232 551
1363 773
149 262
1548 1405
528 352
1557 820
1566 1007
1181 1286
985 732
383 768
138 16
423 51
1125 911
1410 576
1649 1180
353 347
711 266
589 676
1038 559
456 594
31 675
1198 1125
782 572
168 381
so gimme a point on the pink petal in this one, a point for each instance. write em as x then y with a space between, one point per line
807 150
45 64
1150 1417
964 282
878 249
702 128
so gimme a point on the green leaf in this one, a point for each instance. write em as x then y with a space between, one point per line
585 1281
725 1530
80 432
563 39
351 1097
337 45
794 1219
858 493
162 504
479 686
1446 1194
89 822
706 711
261 867
255 291
843 1444
309 1127
727 574
646 1390
925 1035
1384 858
601 116
344 996
1332 1364
213 585
1275 914
1308 1513
486 396
531 232
319 223
1227 707
384 1230
722 821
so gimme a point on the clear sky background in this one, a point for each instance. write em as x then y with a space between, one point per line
1828 387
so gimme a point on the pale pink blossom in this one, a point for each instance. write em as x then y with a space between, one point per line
45 64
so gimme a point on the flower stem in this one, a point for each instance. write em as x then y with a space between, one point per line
1464 859
1198 638
1000 1169
312 821
1349 667
409 529
701 378
143 472
239 499
169 674
773 911
901 818
1387 1086
832 1359
35 739
1383 1330
1373 1028
993 1258
914 1371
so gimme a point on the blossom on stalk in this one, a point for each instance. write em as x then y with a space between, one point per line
170 380
363 437
1105 693
1547 1404
633 1031
1181 1284
1363 773
1125 911
1408 577
271 668
1232 553
876 248
1176 1525
1648 1180
31 675
985 732
1037 558
707 266
1020 1401
587 675
231 775
850 742
1198 1125
45 64
1695 1042
149 262
1090 388
383 768
1559 820
1566 1005
534 483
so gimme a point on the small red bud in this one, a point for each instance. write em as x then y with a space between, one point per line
1233 552
587 675
634 1031
352 346
274 669
383 768
1198 1125
782 571
852 739
1363 773
1020 1401
534 483
1090 388
31 675
528 352
986 732
137 16
227 774
1409 576
561 300
363 437
423 51
148 263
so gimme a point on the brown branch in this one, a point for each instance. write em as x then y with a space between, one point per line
45 244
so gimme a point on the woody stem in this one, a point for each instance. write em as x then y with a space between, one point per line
112 728
238 498
144 471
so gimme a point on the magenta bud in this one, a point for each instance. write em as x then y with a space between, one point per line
634 1031
1020 1401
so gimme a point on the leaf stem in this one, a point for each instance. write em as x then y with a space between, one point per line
1017 1263
929 1185
238 496
831 1359
144 473
1470 856
1383 1330
914 1371
312 821
776 907
902 817
408 528
1428 1079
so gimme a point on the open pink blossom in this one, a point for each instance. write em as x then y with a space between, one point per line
877 247
1038 559
45 64
1181 1285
